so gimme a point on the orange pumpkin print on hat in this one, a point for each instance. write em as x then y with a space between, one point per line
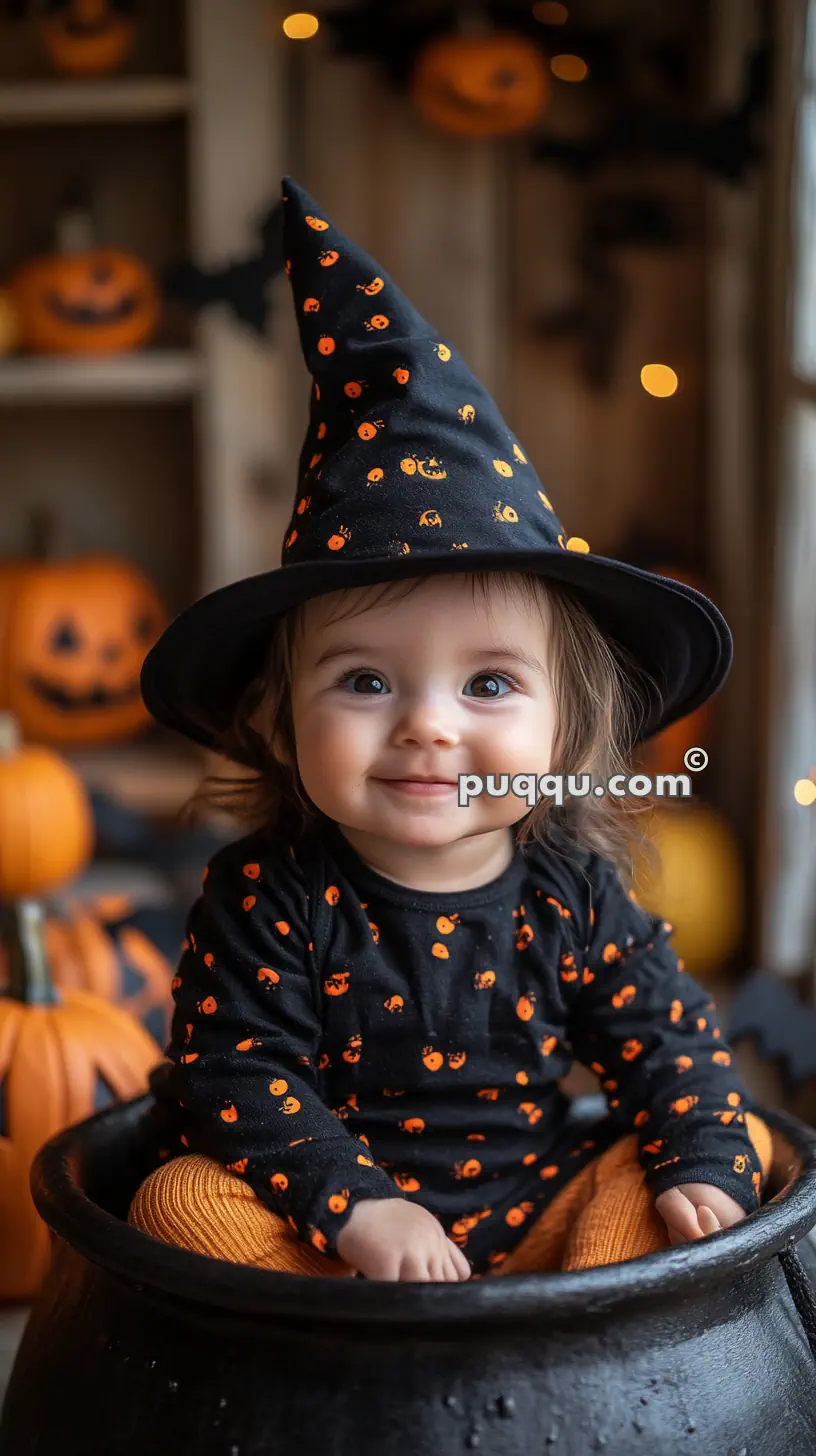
395 414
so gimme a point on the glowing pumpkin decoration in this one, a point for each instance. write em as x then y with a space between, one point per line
94 301
481 85
73 636
698 887
87 37
663 754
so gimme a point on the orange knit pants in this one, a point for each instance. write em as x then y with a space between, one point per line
604 1215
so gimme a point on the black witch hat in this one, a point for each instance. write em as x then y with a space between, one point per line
408 469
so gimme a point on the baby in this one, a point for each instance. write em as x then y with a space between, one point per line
383 984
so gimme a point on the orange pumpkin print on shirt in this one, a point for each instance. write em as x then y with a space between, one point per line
337 985
446 924
525 1007
469 1169
568 968
624 996
562 910
518 1214
433 1060
339 539
353 1049
406 1182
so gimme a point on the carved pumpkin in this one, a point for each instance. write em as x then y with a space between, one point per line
490 85
663 754
73 636
87 37
64 1055
96 301
46 826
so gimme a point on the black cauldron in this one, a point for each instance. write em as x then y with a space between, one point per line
138 1349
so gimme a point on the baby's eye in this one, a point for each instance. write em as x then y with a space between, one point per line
491 682
364 677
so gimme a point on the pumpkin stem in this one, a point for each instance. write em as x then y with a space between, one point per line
9 735
49 535
24 936
75 227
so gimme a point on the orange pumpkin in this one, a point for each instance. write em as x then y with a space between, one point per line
490 85
663 754
64 1055
94 301
87 37
73 636
46 826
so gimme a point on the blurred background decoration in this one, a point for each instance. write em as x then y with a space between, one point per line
609 208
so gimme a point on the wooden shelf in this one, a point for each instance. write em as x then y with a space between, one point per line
153 778
51 103
145 777
158 374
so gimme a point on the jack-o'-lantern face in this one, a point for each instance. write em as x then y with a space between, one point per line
429 469
481 85
87 37
73 636
95 302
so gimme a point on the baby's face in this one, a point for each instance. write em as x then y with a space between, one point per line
438 684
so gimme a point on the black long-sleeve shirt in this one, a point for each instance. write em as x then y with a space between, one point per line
338 1037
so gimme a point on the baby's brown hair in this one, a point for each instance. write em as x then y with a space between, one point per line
601 696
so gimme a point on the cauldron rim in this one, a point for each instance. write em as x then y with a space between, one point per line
143 1262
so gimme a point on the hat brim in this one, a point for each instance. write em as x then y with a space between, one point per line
193 678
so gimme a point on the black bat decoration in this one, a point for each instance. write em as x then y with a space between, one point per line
644 83
243 285
766 1011
598 313
724 144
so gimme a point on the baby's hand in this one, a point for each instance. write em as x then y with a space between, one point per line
694 1210
390 1238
